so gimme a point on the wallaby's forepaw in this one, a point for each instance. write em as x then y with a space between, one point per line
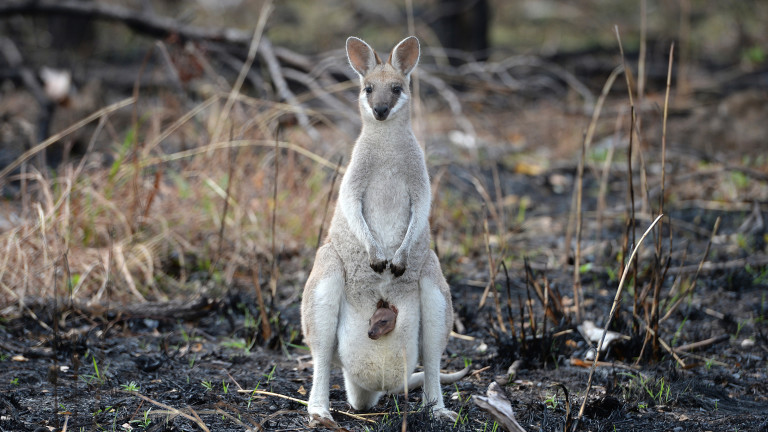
378 266
376 258
445 414
398 263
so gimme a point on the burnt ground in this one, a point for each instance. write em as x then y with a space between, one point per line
177 366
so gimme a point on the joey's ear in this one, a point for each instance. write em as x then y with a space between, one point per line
405 55
361 56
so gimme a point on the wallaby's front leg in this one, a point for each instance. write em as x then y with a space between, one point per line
320 309
416 226
351 201
436 316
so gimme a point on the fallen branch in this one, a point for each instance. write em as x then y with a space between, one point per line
586 364
138 21
740 263
701 344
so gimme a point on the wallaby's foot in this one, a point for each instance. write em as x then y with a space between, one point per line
317 420
445 414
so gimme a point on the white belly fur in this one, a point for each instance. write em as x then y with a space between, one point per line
378 365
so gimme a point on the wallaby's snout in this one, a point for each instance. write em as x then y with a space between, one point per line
381 112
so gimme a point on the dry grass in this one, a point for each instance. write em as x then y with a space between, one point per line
124 227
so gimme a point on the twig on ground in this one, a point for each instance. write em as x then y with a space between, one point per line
303 402
739 263
194 417
702 344
586 364
236 420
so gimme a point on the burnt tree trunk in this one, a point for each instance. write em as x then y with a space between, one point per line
463 25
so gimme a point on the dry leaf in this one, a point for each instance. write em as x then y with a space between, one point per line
302 391
590 331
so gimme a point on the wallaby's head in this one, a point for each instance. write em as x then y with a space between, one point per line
384 87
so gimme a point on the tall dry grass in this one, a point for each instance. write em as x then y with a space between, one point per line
148 224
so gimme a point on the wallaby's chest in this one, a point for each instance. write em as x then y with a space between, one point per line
387 206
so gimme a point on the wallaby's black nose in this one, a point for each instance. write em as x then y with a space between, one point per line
381 111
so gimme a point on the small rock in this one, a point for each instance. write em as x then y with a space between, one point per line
512 371
747 343
559 183
501 380
590 354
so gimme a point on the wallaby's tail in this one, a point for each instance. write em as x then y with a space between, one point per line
416 380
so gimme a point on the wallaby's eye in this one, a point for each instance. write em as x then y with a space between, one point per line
397 89
368 89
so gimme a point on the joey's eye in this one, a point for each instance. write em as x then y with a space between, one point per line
368 89
397 90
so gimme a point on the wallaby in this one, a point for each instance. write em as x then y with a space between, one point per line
380 221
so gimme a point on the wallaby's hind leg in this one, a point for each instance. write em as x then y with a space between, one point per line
360 398
320 307
436 322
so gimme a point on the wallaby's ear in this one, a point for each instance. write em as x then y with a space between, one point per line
405 55
361 56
